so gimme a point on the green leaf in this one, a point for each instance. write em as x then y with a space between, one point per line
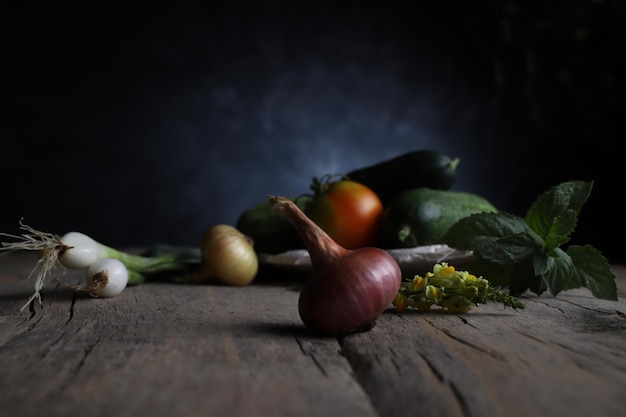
561 230
562 275
553 215
498 237
594 272
525 254
542 263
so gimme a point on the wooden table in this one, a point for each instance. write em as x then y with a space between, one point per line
163 349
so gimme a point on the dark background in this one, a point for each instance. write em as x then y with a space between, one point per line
141 123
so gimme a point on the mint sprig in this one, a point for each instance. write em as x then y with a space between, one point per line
526 253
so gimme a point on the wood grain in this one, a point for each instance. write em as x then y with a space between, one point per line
164 349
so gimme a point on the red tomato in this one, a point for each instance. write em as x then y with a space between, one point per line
350 212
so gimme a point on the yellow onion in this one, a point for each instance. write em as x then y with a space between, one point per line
228 256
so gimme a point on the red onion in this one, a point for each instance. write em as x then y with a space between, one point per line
349 289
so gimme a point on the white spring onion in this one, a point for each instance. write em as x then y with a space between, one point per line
82 251
106 278
76 250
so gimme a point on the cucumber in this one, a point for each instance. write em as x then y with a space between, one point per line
421 168
422 216
271 232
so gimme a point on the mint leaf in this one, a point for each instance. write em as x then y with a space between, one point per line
498 237
525 254
542 264
593 271
561 275
561 230
554 214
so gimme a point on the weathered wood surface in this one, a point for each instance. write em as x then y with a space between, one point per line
172 350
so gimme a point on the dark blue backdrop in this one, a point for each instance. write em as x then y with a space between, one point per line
140 123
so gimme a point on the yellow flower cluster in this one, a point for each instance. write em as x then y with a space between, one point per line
452 290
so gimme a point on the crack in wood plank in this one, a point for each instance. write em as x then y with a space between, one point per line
310 353
463 341
71 309
460 398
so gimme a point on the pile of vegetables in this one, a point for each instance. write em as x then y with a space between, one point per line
224 254
391 204
406 202
347 224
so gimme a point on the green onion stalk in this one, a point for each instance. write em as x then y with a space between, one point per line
76 250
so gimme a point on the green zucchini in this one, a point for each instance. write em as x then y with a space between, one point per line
421 168
422 216
270 232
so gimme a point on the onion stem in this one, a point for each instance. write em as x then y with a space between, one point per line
148 265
